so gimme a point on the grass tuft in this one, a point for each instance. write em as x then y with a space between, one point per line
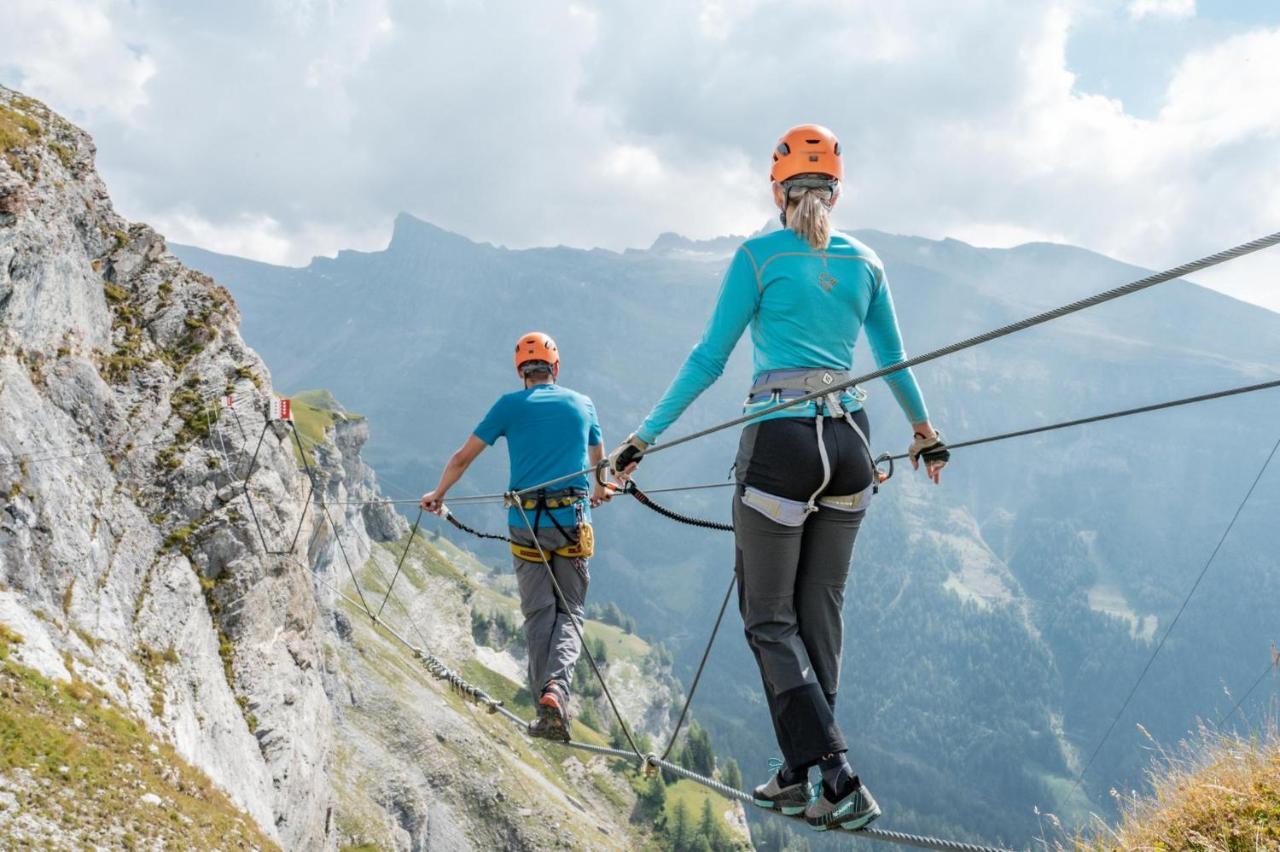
1216 791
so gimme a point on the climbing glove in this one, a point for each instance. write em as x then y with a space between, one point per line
929 450
629 453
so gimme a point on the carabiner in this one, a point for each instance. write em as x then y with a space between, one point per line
881 476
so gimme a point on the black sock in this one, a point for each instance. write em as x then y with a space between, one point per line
788 776
838 777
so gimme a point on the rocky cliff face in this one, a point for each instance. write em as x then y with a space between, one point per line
173 567
121 525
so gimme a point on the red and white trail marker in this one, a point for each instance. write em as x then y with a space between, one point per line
281 409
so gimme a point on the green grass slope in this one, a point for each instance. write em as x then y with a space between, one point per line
77 773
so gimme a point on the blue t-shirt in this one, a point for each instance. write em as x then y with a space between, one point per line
805 309
548 429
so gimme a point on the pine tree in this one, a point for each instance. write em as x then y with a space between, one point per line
680 831
588 716
730 774
653 800
709 827
701 758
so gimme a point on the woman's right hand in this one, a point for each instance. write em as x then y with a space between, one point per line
432 501
624 460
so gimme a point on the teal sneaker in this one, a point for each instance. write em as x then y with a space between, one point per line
853 812
790 799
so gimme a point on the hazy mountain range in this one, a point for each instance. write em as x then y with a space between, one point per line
994 624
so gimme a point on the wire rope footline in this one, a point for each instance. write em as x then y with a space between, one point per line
441 671
1152 280
901 838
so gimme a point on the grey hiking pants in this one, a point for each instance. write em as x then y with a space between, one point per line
791 579
548 633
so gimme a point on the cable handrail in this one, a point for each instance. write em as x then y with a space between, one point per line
1144 283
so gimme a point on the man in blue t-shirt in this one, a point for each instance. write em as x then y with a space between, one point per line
551 432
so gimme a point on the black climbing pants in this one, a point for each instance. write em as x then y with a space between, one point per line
791 579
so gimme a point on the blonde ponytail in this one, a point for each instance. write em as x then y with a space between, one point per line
810 217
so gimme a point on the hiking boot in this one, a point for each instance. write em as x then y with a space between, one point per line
790 799
553 706
855 810
540 726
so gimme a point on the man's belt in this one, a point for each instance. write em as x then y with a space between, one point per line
583 548
554 499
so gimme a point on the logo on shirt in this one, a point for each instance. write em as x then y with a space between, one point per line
827 281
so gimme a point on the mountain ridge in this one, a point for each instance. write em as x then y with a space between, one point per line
406 227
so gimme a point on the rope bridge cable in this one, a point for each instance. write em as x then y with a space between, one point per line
697 676
968 343
1272 665
40 457
990 439
400 563
1174 623
1097 418
975 442
901 838
573 622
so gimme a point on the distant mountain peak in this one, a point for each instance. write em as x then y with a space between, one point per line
409 233
669 242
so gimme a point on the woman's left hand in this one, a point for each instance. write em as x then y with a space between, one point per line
928 447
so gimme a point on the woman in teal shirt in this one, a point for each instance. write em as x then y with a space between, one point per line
805 473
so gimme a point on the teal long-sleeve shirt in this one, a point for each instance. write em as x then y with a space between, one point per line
805 309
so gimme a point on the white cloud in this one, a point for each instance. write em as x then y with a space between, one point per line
72 53
285 129
1171 9
257 236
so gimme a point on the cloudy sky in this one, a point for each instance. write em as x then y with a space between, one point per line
282 129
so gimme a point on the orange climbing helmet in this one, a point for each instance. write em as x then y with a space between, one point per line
536 346
807 149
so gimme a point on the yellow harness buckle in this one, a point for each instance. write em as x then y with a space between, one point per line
583 548
551 502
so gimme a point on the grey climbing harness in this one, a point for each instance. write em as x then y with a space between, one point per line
777 386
